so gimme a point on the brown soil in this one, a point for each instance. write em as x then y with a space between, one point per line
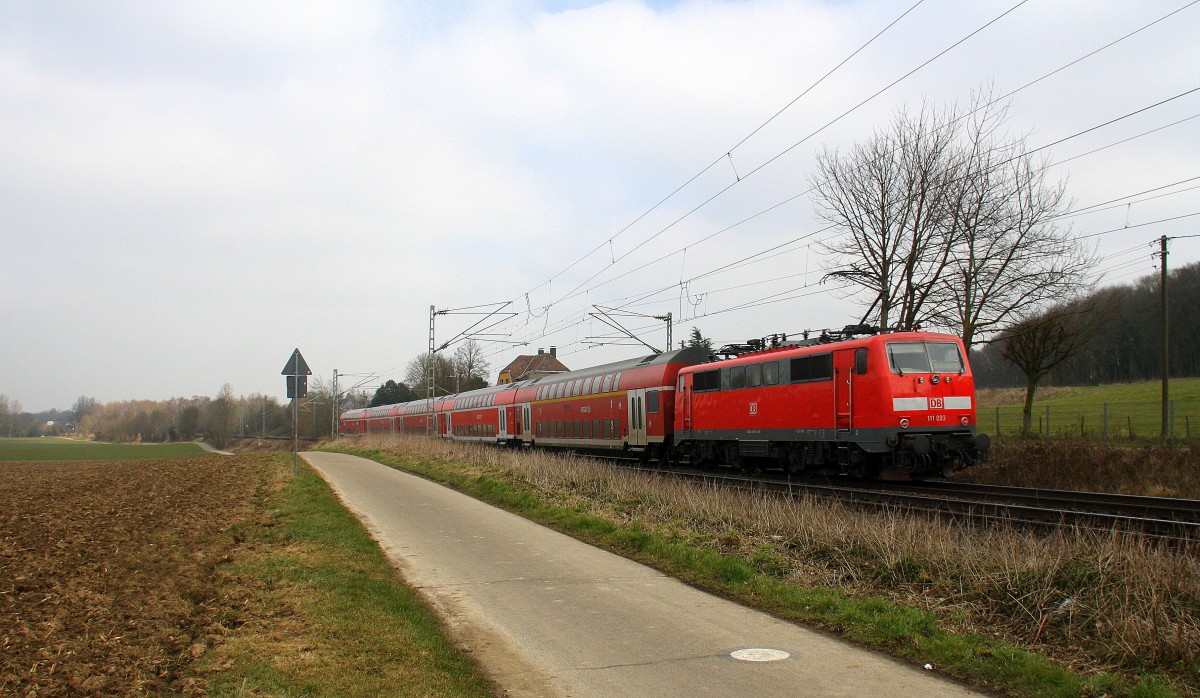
107 571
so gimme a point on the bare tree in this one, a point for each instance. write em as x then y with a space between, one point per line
1008 254
223 417
891 195
470 368
1037 344
416 374
950 221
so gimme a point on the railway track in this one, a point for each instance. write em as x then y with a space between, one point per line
1157 517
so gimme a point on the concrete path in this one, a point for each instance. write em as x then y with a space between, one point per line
550 616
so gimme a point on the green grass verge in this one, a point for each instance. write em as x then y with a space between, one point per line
1134 410
903 631
59 449
330 615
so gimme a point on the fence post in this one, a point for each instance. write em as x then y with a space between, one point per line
1106 424
1047 423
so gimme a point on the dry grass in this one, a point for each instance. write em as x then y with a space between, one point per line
1108 601
1079 465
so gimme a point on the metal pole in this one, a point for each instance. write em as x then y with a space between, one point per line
1166 355
296 428
429 379
333 410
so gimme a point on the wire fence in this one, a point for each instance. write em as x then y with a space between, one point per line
1109 422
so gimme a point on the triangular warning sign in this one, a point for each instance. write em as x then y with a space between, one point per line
296 366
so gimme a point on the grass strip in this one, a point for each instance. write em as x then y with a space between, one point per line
61 449
323 612
902 631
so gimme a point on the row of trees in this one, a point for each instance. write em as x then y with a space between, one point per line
1112 335
219 420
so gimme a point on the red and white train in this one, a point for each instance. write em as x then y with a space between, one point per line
896 404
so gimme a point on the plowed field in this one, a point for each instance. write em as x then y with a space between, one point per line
107 571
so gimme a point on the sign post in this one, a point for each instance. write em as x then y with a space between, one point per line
297 372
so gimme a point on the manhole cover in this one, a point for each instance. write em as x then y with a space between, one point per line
759 655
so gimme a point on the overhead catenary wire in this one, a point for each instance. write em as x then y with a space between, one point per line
614 260
574 292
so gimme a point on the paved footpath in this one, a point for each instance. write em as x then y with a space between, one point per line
549 616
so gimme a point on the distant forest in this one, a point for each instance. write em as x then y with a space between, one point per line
1127 346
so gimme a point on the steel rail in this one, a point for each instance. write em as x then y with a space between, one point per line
1154 517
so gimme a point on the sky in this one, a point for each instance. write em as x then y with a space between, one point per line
191 190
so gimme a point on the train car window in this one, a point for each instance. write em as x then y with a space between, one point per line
703 381
617 381
770 372
578 429
596 428
754 375
737 377
812 368
604 432
652 402
860 361
578 388
587 428
608 383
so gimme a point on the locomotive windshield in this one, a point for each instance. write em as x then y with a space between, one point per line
924 357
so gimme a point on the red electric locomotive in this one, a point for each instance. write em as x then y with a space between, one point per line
892 404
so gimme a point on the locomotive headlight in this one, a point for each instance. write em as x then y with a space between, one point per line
936 379
964 421
904 423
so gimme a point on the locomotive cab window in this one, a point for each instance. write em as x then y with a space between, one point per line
754 375
770 371
925 357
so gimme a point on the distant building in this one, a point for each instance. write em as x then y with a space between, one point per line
525 367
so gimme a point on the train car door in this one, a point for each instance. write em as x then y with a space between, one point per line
504 422
446 427
843 389
685 389
637 417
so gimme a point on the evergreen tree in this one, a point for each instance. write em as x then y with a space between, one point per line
391 393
